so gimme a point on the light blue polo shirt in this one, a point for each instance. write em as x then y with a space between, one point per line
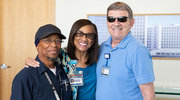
130 65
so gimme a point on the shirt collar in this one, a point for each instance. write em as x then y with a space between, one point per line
43 68
122 44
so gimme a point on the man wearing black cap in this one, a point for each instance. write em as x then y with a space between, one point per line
49 81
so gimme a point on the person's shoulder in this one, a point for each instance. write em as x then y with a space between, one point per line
94 64
63 50
102 44
135 43
25 78
135 46
26 72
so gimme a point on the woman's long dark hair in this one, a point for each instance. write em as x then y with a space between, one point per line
92 51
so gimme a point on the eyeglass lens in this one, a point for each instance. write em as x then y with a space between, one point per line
120 19
49 41
88 35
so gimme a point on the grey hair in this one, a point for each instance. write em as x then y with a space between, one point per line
121 6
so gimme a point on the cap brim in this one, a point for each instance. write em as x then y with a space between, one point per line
62 36
47 34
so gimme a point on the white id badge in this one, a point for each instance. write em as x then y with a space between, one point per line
105 70
76 79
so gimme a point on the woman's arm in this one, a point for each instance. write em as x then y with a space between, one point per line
31 62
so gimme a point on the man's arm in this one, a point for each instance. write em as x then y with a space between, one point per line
148 91
21 87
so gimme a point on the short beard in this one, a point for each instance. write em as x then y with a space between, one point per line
52 59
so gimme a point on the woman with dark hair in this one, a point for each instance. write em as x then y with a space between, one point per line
79 59
81 56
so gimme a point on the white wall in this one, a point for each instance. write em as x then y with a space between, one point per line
68 11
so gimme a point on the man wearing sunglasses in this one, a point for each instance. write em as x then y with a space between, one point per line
124 67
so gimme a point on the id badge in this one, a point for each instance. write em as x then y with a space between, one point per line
105 70
76 79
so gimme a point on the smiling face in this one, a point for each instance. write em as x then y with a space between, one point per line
83 43
119 30
48 49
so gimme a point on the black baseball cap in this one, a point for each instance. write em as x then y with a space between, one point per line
46 30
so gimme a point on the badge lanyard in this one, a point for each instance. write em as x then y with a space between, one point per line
107 56
52 86
105 68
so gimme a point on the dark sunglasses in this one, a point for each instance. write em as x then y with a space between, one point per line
120 19
88 35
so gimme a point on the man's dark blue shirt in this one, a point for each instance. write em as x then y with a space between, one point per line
32 84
